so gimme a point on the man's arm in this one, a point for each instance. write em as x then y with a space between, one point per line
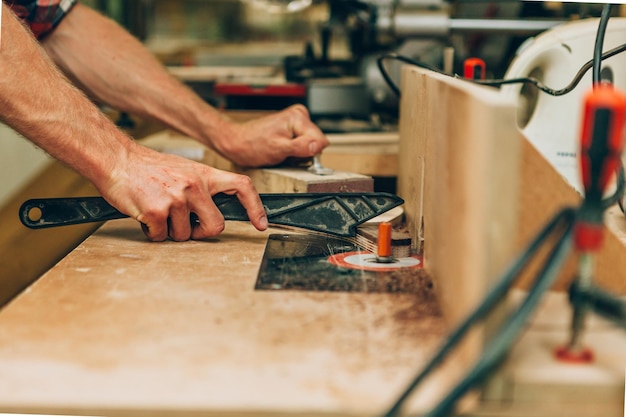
115 68
158 190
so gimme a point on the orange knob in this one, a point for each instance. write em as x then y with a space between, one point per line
384 242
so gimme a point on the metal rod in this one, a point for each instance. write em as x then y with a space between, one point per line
520 27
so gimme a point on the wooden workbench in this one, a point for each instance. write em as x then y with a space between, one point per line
123 326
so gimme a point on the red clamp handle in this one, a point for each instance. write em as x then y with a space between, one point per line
602 139
474 69
600 156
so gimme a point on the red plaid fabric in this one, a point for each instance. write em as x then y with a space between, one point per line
41 15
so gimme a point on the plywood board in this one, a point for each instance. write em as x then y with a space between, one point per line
124 326
543 193
374 154
459 172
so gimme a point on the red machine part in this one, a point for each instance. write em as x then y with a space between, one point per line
474 69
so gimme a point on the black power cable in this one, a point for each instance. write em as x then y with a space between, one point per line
497 82
597 50
563 219
497 348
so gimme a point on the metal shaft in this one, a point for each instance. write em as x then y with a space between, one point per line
407 24
584 280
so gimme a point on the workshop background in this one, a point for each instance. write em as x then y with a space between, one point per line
303 321
222 33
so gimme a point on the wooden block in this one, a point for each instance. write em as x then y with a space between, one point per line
374 154
459 153
416 122
266 180
299 180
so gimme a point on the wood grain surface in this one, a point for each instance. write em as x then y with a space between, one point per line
123 325
459 163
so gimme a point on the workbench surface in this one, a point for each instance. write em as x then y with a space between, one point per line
123 325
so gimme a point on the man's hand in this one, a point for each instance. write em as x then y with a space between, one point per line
271 139
161 191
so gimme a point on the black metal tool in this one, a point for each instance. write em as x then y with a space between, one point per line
335 213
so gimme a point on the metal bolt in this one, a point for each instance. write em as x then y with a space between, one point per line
317 167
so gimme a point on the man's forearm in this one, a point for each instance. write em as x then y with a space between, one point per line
117 69
72 130
158 190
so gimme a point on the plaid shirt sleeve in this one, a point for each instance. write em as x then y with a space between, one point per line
42 16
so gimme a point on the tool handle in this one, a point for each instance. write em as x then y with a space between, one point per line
602 139
334 213
53 212
600 156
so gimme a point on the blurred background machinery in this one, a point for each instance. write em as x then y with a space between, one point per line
323 53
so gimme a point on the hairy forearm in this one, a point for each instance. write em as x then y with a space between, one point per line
158 190
72 130
122 73
113 67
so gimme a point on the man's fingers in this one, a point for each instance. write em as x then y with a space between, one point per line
155 231
210 226
308 139
178 223
243 188
254 208
169 215
210 220
305 147
167 221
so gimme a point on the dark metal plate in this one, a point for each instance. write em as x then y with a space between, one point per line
300 262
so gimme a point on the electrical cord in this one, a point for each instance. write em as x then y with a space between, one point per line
616 198
563 222
392 85
496 82
493 297
601 302
497 348
597 50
